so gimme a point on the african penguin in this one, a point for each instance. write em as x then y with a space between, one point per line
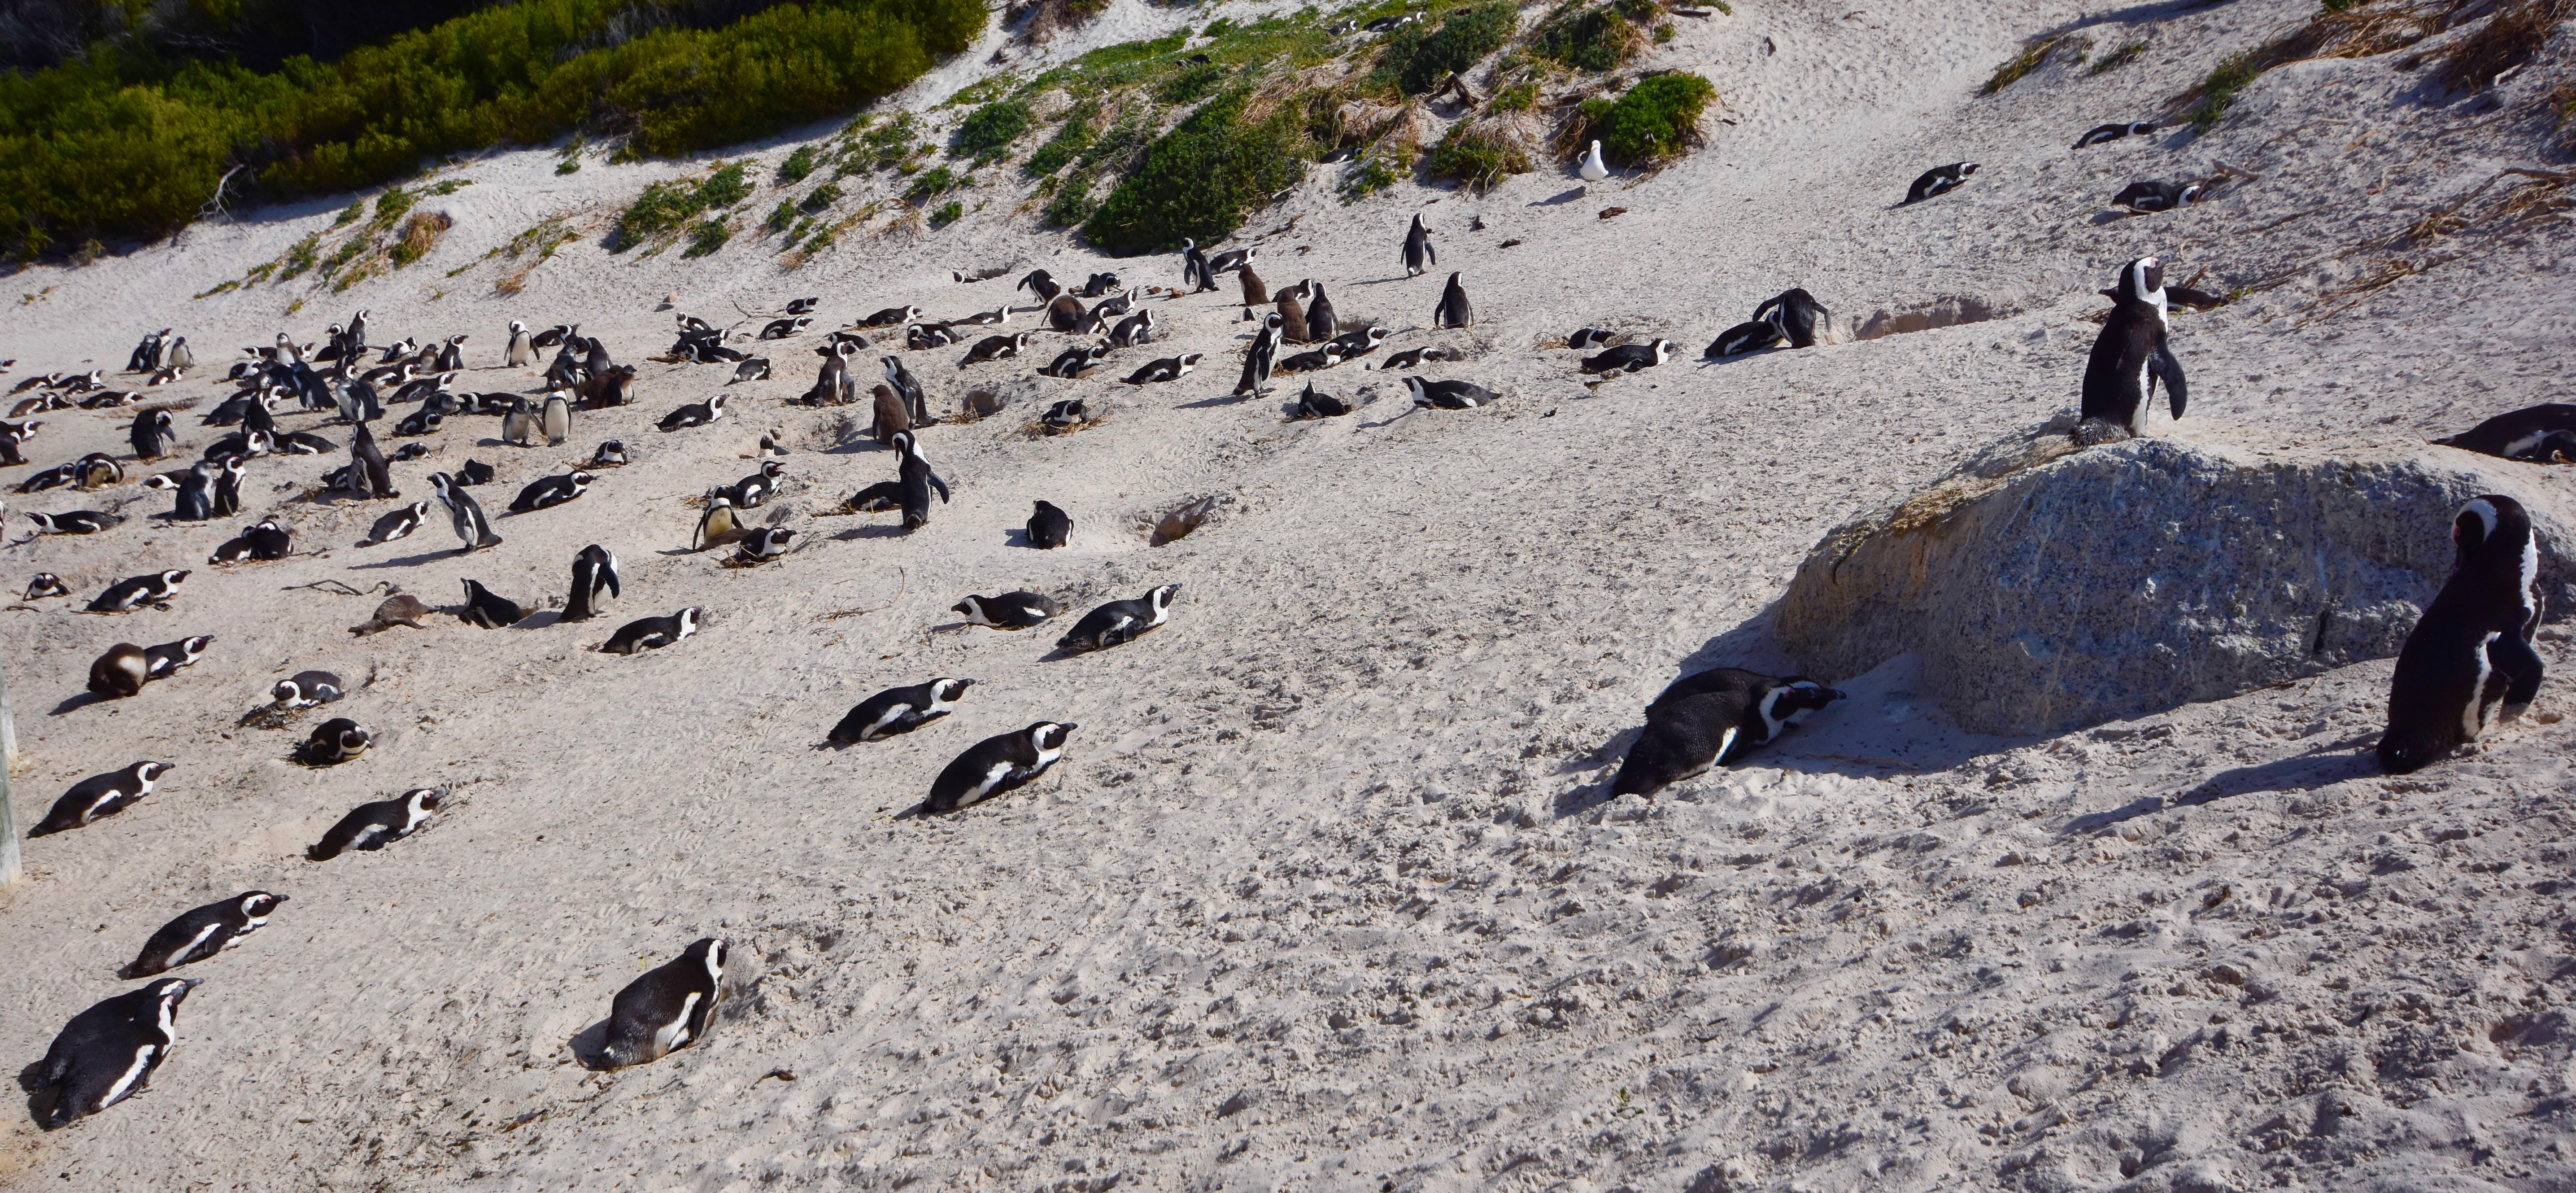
764 544
695 414
108 1052
396 524
917 479
1419 256
46 584
336 740
1454 310
121 672
2471 650
464 514
1940 180
2541 434
2115 131
374 825
1316 404
1449 395
167 659
304 689
1261 358
1009 611
653 633
916 403
900 710
668 1008
1712 718
202 933
101 795
1120 621
998 765
1797 314
1049 526
2156 195
594 573
547 492
486 609
2129 357
134 592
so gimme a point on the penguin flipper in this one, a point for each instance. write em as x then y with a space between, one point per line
2177 393
940 485
2519 665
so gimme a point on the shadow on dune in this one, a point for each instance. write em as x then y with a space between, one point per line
2328 764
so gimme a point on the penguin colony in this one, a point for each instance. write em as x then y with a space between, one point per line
2467 663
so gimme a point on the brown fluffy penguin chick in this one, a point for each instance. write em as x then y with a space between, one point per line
891 416
1255 293
120 672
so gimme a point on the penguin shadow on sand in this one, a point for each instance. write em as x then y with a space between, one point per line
77 701
41 1096
873 530
1562 198
590 1047
2331 763
404 561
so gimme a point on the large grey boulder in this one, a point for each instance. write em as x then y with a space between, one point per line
2050 587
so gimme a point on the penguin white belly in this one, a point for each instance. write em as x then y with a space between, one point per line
2473 717
133 1072
993 776
1046 758
890 716
104 799
1725 742
193 942
2146 392
676 1032
366 836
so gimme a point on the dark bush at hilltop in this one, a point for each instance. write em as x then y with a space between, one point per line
128 142
1202 178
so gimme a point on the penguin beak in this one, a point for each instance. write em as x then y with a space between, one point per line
1067 726
966 683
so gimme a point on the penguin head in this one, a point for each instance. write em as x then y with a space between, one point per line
172 579
1663 350
971 607
2489 524
167 994
946 691
903 443
2402 751
46 584
2142 128
148 772
425 799
2142 280
2189 193
1421 395
688 617
516 327
1161 597
257 905
190 648
1967 168
710 953
287 693
1049 736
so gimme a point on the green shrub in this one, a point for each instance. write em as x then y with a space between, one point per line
1519 97
1594 39
1067 143
991 128
930 184
707 237
1655 121
724 188
2033 52
1474 157
2219 90
130 144
2126 54
350 214
781 217
301 257
1123 144
947 214
1201 179
1462 41
1192 84
821 197
1367 176
663 207
570 165
1072 202
391 205
797 165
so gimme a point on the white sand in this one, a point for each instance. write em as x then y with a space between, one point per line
1321 896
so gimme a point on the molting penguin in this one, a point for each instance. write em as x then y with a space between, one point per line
1067 314
109 1052
891 414
2472 648
1940 180
1120 621
1292 312
372 826
900 710
668 1008
1255 292
2541 434
304 689
594 572
1049 526
2129 357
1454 310
998 765
653 633
1009 611
1419 256
121 672
202 933
335 741
100 796
1713 718
464 514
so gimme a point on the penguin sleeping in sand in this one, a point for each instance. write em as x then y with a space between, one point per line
667 1009
100 796
998 765
1009 611
2470 654
2544 434
108 1053
900 710
653 633
203 933
372 826
2129 357
335 741
1049 526
1120 621
1711 719
1939 180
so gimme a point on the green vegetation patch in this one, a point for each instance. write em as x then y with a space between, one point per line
2235 73
1595 39
1069 141
707 237
797 165
1202 178
1462 41
991 128
1656 121
1478 157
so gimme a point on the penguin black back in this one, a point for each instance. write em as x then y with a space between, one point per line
2130 356
108 1052
900 710
1711 718
203 932
667 1008
998 765
594 571
372 826
1049 526
2472 647
917 480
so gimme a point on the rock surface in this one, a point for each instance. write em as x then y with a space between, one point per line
2050 588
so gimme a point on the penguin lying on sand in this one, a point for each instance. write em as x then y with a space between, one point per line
108 1053
1713 718
666 1009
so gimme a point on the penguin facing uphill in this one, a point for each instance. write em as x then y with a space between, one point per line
594 572
900 710
997 765
372 826
108 1052
202 933
1712 718
666 1009
1120 621
2472 648
2129 357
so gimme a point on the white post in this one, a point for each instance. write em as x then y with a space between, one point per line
9 861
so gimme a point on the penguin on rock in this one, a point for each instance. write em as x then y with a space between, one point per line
2130 356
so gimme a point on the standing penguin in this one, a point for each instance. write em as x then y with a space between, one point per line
916 403
594 571
521 353
202 933
463 513
556 422
368 464
668 1008
1195 274
1419 256
228 481
519 424
1255 292
916 479
2472 648
196 499
2129 357
997 765
1321 323
108 1052
1453 310
1262 357
1049 526
151 434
